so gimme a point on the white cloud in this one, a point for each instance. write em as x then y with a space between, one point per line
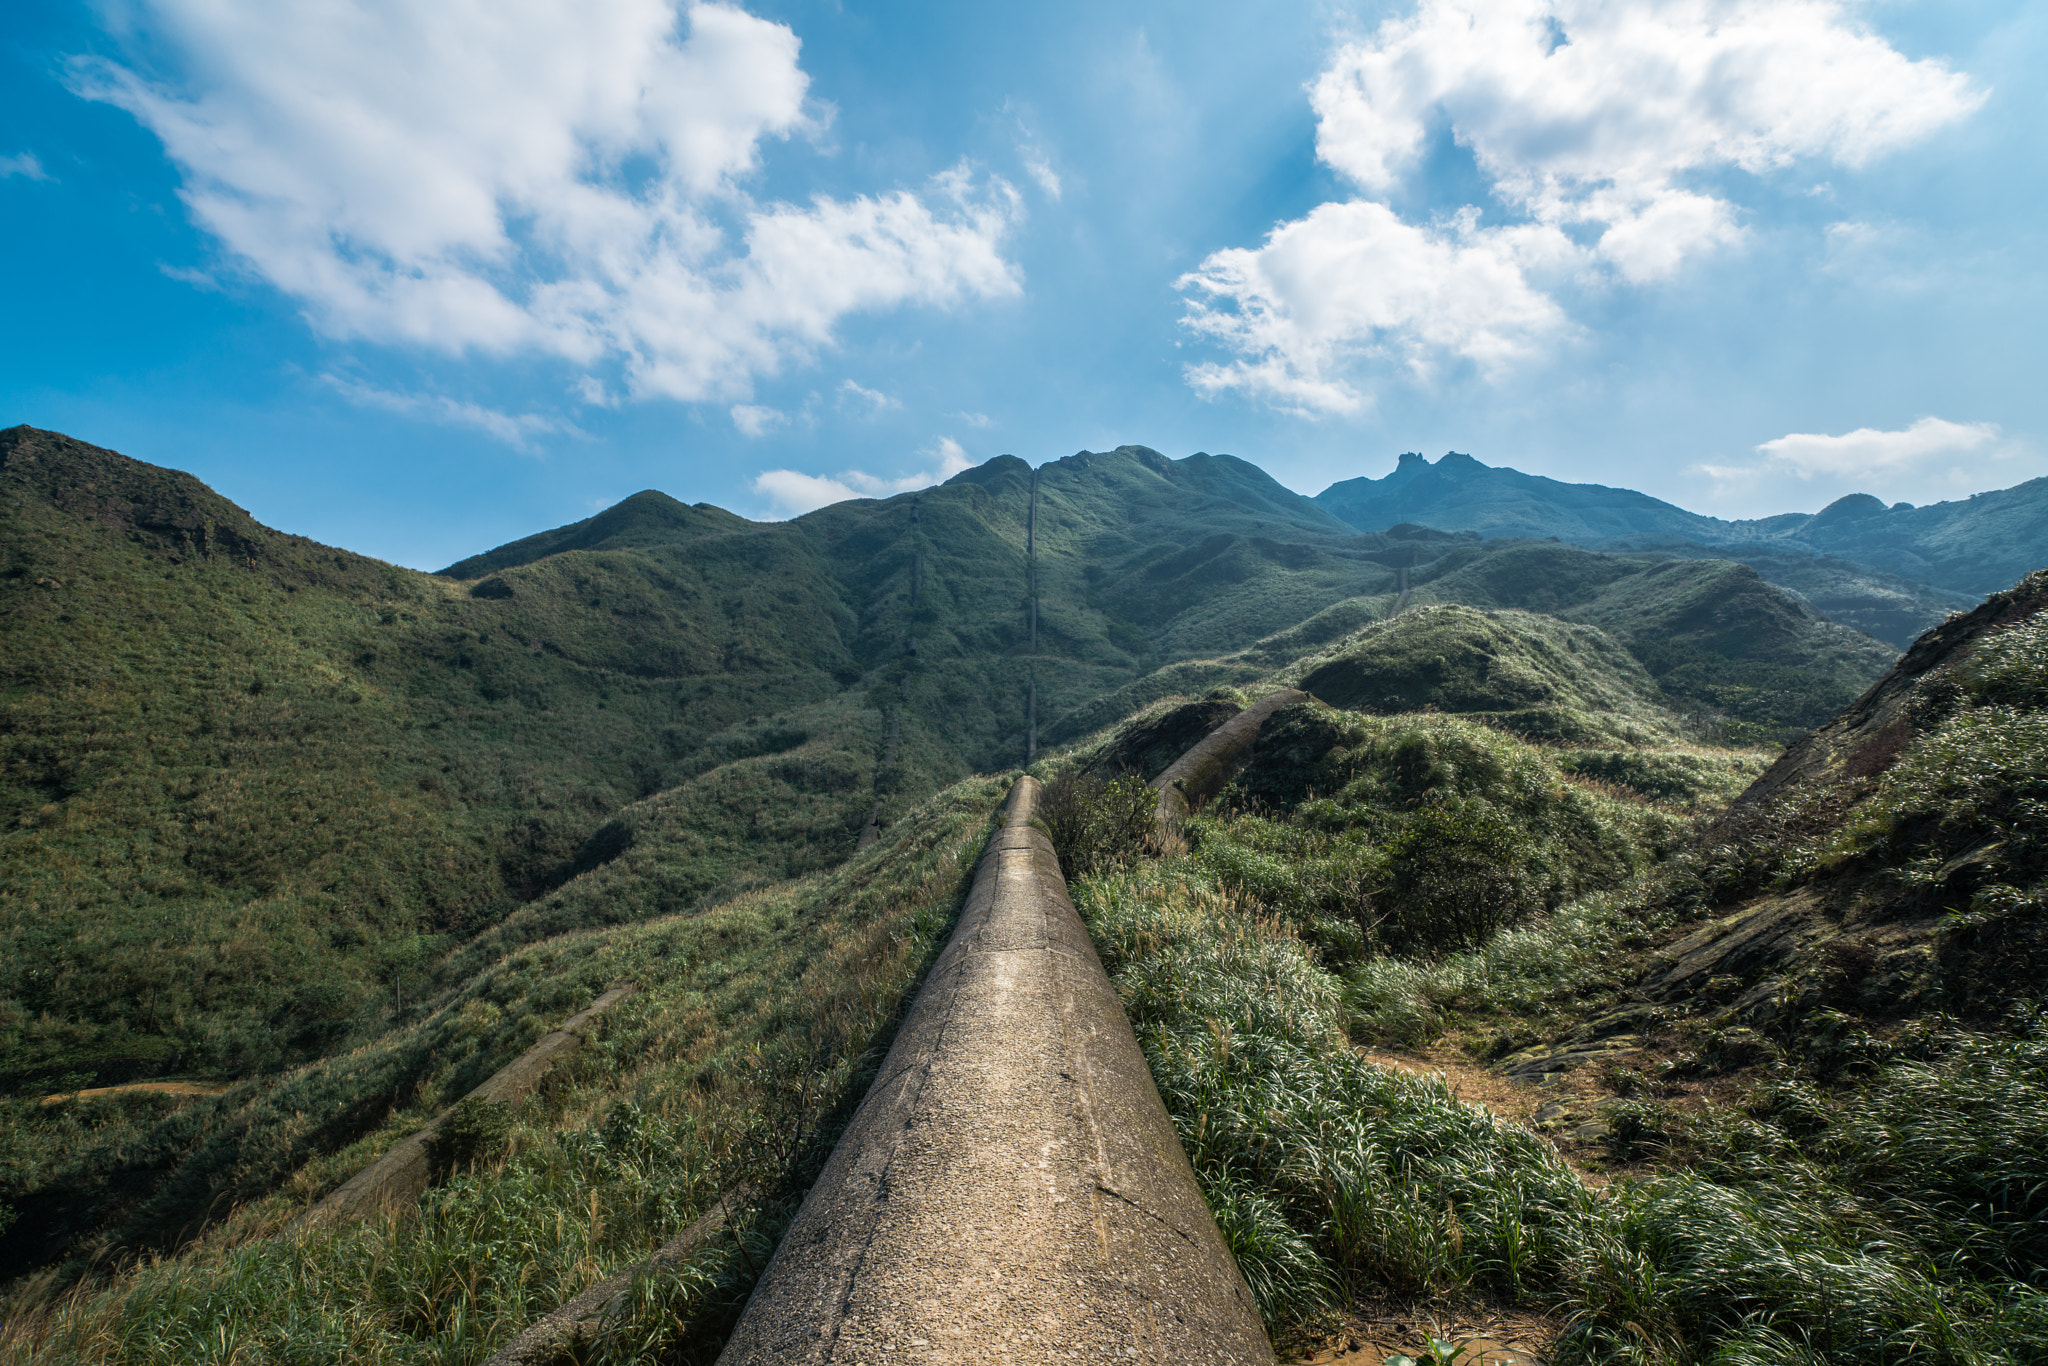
514 429
1040 170
1926 461
189 275
794 493
1591 121
756 421
863 399
975 420
1867 450
1353 281
541 176
24 164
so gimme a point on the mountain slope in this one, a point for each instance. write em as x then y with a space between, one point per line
251 783
647 518
1892 571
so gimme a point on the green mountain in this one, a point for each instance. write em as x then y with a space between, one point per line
281 817
323 843
1891 571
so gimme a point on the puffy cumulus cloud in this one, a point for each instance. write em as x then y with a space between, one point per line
1593 123
794 493
1870 451
541 176
1353 280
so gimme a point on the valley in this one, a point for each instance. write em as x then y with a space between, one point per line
1658 828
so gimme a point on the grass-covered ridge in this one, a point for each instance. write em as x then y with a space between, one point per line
1806 1174
756 1028
264 803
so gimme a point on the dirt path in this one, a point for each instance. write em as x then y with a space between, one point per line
162 1088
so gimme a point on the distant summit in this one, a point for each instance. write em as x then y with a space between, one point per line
1892 571
1459 493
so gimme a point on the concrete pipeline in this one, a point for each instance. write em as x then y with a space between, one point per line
407 1168
1205 769
570 1331
1010 1189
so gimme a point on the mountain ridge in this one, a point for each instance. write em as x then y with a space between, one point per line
1915 563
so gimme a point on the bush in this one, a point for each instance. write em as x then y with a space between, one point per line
1096 825
1461 874
474 1131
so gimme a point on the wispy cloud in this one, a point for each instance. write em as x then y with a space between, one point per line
755 421
794 493
1868 450
517 430
27 165
1925 461
190 275
863 399
976 420
1040 169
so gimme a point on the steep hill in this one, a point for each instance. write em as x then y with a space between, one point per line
1892 571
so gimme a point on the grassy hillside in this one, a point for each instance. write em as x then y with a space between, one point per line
1487 846
1768 1086
1742 660
271 806
758 1025
247 777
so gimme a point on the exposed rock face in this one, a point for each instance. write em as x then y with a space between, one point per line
1855 937
1866 739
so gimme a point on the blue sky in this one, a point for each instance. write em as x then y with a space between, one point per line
420 279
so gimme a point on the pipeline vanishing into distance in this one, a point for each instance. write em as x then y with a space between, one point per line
1011 1188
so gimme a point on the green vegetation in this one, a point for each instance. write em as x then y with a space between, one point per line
1824 1187
1535 676
345 838
757 1027
1893 572
1903 1219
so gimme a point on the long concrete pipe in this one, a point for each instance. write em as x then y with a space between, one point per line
1205 769
1011 1189
406 1169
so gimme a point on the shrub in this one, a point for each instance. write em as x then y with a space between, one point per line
1096 825
473 1131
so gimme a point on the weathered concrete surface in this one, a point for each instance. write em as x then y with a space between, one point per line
577 1324
1204 770
407 1168
1011 1189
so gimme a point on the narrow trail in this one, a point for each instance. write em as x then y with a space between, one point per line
162 1088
